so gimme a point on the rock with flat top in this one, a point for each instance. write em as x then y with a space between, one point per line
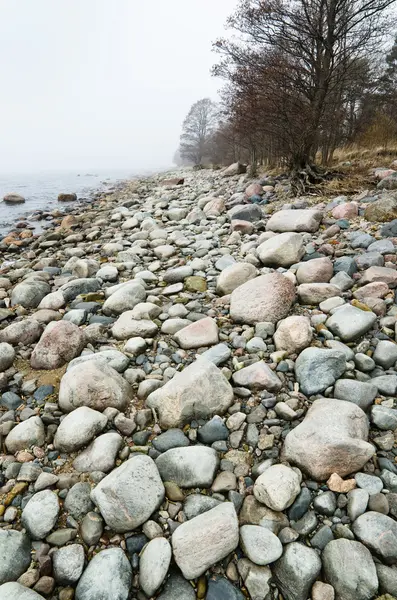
282 250
198 392
234 276
318 368
203 332
108 576
265 298
191 466
205 540
350 569
60 343
295 220
130 494
94 384
332 438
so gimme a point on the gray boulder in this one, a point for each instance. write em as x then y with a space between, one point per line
16 591
68 564
74 288
193 466
93 384
40 514
384 418
317 368
78 500
350 323
26 434
350 569
153 565
379 533
359 392
124 298
332 438
130 494
29 293
282 250
296 571
295 220
177 587
127 326
277 487
78 428
14 199
101 455
107 576
7 355
114 358
205 540
14 554
198 392
387 577
385 354
260 545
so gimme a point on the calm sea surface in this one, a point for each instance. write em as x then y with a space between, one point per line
41 191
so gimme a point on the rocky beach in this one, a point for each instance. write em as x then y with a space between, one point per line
198 393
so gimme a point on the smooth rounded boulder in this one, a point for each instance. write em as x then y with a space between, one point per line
298 220
265 298
16 591
29 293
40 514
332 438
78 428
200 391
206 539
107 576
293 334
14 199
14 554
26 434
318 368
153 564
317 270
130 494
379 533
192 466
60 343
234 276
124 298
350 569
282 250
94 384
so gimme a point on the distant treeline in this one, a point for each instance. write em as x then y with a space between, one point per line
302 78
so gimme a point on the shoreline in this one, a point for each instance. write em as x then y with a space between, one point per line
35 221
171 367
36 216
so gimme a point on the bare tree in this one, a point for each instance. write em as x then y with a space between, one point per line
301 54
197 129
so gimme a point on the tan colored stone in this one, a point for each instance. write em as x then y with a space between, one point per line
342 486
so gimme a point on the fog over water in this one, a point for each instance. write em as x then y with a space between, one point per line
99 84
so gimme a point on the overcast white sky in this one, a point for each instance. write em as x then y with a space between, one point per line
102 83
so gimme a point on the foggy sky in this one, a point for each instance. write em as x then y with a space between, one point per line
102 83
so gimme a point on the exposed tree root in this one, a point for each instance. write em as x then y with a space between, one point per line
308 179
